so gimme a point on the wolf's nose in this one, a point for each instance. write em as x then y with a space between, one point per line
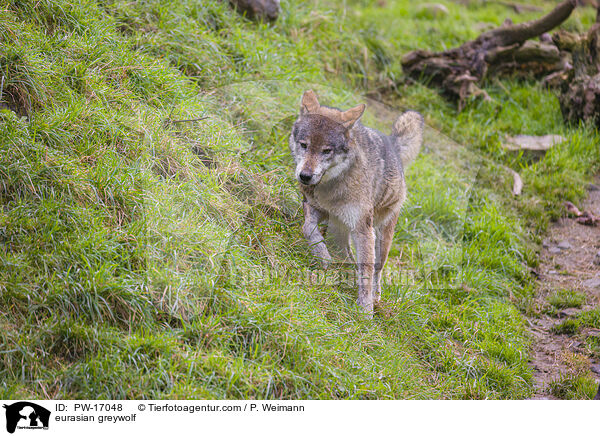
305 177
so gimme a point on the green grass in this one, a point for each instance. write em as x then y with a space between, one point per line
582 387
567 327
592 344
577 383
588 318
565 298
143 257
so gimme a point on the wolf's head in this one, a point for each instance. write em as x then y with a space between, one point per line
320 140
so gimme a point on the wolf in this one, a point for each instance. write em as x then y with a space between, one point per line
352 177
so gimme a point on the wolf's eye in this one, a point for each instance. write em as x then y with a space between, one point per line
302 144
326 151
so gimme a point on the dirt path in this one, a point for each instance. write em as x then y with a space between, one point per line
570 260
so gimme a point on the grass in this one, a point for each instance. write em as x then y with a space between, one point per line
567 327
147 257
588 318
582 387
578 383
592 344
566 298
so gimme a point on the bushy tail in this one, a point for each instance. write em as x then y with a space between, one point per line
408 131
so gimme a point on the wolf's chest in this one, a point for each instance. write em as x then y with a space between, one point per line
345 208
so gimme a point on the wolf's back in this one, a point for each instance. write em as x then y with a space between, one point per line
408 133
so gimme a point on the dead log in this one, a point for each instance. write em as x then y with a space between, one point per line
580 90
499 51
258 10
517 183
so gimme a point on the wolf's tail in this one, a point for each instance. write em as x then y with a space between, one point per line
408 131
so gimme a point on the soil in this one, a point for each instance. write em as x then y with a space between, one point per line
570 259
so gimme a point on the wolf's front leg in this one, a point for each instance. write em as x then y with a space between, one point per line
339 234
310 229
364 241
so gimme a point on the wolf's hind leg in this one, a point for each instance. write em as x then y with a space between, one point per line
385 236
310 229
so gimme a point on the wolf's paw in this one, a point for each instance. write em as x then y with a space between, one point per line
367 308
325 263
378 304
376 296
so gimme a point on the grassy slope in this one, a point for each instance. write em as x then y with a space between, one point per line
139 255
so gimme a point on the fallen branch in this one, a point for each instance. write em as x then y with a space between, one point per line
517 183
572 209
586 218
505 49
186 121
518 33
168 122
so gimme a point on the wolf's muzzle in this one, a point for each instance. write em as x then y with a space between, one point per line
305 177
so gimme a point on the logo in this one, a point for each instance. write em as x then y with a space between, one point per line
26 415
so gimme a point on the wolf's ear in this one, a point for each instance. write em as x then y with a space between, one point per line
309 102
351 116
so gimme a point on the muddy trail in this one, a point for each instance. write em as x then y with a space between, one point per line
568 285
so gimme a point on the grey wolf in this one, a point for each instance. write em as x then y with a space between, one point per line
352 176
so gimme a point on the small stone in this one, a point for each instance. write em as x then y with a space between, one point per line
564 245
546 243
554 250
596 368
592 187
433 10
536 145
597 258
592 283
566 313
